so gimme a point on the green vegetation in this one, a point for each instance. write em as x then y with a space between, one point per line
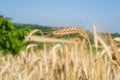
11 39
45 29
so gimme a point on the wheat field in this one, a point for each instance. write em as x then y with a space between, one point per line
64 59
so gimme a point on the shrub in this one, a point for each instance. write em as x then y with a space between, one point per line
11 39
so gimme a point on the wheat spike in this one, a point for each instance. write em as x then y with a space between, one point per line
71 31
114 48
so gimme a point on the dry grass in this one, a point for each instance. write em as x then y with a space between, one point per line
61 61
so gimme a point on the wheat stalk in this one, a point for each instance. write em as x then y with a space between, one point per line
104 45
95 38
114 48
47 39
71 31
30 46
31 33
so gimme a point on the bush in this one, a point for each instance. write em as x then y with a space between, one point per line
11 39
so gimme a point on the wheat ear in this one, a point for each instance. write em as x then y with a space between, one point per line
114 48
71 31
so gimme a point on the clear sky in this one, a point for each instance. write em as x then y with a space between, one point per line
104 13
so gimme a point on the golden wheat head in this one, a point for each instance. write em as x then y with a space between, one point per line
71 31
113 47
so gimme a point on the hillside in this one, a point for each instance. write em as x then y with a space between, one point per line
48 29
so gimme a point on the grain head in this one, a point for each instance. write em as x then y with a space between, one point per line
113 47
71 31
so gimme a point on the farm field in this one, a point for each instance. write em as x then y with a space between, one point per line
58 54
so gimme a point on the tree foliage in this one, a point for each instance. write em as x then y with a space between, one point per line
11 39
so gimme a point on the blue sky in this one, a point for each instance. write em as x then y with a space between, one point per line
104 13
